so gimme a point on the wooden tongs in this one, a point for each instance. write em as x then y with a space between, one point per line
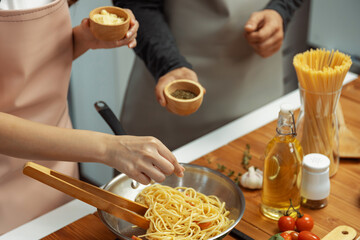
102 199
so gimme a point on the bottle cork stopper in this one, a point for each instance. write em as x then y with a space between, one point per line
286 108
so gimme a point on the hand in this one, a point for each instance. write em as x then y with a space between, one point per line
264 32
142 158
129 40
84 39
179 73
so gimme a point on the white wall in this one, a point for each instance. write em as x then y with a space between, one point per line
97 75
329 24
335 25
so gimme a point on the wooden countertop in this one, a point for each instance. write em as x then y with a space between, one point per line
344 200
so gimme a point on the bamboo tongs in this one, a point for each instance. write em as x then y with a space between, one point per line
104 200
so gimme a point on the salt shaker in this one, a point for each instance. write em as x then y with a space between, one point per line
315 186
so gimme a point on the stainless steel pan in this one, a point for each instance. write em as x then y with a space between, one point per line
202 179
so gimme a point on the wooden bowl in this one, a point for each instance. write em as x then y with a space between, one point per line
110 32
179 106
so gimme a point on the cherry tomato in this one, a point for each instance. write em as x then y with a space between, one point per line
286 223
286 236
294 235
304 223
204 225
135 238
306 235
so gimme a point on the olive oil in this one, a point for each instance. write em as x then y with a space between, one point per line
282 168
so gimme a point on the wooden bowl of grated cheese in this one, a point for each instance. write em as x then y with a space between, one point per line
109 23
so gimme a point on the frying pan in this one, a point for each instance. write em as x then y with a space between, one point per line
202 179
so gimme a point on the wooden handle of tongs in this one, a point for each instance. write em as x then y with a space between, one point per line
104 200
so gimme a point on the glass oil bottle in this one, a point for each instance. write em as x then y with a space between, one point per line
282 168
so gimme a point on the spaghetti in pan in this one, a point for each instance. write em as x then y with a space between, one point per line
182 213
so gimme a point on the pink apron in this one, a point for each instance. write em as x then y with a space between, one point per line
35 66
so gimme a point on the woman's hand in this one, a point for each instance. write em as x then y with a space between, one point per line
264 32
84 39
142 158
179 73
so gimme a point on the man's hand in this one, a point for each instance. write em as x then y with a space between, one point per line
179 73
264 32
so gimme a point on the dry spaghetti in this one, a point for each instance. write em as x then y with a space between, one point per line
182 213
320 74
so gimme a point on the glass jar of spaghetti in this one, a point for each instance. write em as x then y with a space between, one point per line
317 125
320 74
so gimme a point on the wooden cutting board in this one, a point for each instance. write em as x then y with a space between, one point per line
349 136
341 233
349 143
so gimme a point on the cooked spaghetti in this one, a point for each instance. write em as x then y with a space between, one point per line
320 74
182 213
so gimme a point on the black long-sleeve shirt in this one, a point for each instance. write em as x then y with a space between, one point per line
156 45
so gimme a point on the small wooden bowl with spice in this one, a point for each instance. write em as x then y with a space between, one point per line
183 97
109 23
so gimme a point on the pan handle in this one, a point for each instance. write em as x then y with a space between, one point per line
239 235
108 115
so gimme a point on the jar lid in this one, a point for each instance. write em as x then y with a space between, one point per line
316 162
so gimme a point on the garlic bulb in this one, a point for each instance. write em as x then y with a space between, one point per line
252 179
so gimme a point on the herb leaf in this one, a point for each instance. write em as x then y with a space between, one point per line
231 173
221 167
246 157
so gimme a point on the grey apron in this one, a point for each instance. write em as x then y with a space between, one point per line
209 33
